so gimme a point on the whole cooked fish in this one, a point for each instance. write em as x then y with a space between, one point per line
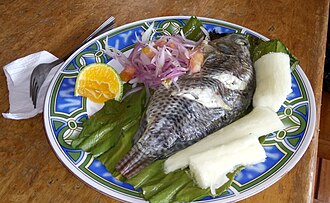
207 101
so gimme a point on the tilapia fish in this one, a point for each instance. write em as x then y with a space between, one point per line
205 102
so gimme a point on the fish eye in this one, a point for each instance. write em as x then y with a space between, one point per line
241 42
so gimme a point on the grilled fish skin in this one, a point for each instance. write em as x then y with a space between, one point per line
206 101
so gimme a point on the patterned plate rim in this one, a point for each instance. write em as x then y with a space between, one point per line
122 196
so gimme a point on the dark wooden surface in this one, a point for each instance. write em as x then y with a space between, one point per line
324 138
322 186
30 171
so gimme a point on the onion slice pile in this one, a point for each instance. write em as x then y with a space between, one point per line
158 62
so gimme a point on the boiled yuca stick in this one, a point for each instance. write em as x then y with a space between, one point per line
260 121
273 80
210 168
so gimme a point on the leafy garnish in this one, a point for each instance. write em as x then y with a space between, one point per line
177 186
108 134
254 42
192 30
271 46
192 192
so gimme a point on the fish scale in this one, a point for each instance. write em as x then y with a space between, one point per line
175 119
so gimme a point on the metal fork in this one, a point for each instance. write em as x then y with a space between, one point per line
41 71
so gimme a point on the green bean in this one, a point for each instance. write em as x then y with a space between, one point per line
100 135
115 154
154 170
107 142
192 192
151 190
102 131
166 194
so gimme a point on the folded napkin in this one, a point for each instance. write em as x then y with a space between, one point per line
18 75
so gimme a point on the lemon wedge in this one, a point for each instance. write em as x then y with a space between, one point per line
99 82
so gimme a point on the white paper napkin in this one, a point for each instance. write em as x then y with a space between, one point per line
18 75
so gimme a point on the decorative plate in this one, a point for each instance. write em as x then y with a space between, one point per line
64 114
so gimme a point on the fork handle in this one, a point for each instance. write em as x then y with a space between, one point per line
46 69
106 26
56 62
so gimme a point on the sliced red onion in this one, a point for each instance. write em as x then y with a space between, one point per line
116 54
160 59
170 61
175 83
144 58
206 33
146 37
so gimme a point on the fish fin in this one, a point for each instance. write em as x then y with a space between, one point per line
133 162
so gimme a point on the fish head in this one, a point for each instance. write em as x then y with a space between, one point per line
232 44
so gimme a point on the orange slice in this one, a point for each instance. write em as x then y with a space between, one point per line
99 82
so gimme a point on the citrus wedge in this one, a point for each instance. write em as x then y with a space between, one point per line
99 82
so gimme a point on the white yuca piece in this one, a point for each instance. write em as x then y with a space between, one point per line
210 168
260 121
273 80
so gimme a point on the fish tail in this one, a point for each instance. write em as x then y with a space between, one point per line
133 162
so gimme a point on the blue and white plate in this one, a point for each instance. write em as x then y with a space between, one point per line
64 114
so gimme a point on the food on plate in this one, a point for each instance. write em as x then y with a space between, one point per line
177 186
193 29
109 132
272 62
248 125
209 168
272 46
194 87
273 79
99 82
159 62
205 101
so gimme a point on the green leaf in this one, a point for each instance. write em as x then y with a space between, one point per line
191 29
254 42
147 174
156 187
112 127
271 46
177 186
111 157
192 192
167 193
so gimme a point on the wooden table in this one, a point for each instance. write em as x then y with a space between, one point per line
30 171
